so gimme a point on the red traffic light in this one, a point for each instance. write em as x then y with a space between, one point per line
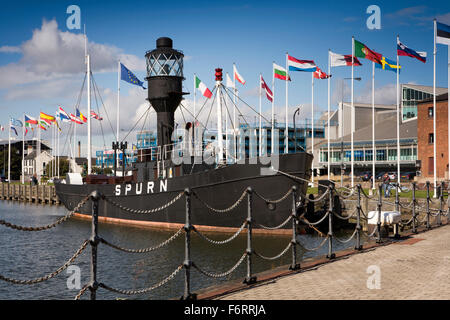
219 74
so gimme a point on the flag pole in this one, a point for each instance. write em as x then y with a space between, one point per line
373 126
38 147
434 109
23 150
89 151
329 111
448 109
234 112
260 110
9 152
195 98
312 124
272 143
352 115
118 100
398 117
286 130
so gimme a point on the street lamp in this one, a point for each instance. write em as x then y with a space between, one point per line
295 130
342 126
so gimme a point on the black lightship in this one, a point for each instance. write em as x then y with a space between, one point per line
157 180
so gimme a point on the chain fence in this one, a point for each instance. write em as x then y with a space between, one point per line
295 216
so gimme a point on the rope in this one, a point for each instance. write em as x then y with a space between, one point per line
317 222
313 249
348 240
220 275
49 226
145 290
223 241
162 244
274 201
51 275
148 211
277 227
233 206
277 256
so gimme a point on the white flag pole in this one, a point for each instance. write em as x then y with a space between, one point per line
89 151
272 147
23 150
373 126
329 111
434 110
38 147
286 130
9 152
118 100
448 108
312 124
260 110
398 117
234 112
352 115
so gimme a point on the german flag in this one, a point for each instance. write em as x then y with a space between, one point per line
47 117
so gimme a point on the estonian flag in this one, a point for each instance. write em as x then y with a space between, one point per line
442 33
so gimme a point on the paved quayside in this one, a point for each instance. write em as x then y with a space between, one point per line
415 268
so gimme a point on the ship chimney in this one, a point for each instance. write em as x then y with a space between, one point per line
165 79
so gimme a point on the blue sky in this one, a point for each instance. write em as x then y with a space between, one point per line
211 34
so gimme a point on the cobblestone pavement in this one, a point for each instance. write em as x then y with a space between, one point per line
418 268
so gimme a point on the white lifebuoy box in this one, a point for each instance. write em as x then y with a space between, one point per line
387 217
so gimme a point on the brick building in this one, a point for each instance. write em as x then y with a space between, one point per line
426 138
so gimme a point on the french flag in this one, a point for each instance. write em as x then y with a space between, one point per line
301 65
403 50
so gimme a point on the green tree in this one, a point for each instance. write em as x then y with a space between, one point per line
63 167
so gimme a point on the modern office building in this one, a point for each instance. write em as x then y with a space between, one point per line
413 94
385 141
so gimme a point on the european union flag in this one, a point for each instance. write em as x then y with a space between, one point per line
128 76
388 65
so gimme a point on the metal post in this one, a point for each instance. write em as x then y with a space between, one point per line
294 265
187 253
428 205
330 255
414 229
441 204
358 221
249 279
380 204
397 208
448 201
95 196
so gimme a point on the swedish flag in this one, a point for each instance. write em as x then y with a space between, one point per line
128 76
390 65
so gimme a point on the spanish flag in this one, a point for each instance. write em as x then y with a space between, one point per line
47 117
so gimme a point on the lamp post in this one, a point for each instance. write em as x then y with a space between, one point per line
295 130
342 128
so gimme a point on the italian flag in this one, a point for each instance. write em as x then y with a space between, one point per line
280 73
203 89
362 51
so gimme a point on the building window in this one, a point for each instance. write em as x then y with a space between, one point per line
430 138
430 112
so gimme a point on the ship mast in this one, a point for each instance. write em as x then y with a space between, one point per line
89 151
219 115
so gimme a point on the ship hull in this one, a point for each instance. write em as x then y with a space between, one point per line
219 188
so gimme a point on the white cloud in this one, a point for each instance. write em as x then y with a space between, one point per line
51 54
10 49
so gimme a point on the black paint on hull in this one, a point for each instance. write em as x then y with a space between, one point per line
219 188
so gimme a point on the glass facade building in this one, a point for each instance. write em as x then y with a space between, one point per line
411 95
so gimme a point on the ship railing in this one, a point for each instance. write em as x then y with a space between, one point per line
421 219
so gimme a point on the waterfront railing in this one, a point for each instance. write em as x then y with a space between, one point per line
421 217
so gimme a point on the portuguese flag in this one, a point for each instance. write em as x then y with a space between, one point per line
280 73
203 88
362 51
